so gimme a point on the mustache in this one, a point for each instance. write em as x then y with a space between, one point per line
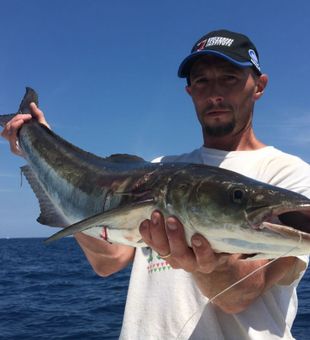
220 106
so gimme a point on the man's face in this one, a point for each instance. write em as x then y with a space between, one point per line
223 95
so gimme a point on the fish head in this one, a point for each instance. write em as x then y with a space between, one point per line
204 195
279 211
220 200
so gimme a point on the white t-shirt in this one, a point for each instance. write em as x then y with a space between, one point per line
164 303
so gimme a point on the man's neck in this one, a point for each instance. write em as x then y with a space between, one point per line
246 141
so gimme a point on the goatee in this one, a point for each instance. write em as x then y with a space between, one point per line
220 130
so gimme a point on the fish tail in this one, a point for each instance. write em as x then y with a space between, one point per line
6 118
30 97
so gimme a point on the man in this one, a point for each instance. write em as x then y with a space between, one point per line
171 283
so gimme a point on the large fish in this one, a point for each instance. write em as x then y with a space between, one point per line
107 198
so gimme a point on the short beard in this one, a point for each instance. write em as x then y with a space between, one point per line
223 129
219 131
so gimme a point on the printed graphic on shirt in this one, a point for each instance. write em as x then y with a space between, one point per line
155 263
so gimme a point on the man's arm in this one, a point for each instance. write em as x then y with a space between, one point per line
105 258
215 272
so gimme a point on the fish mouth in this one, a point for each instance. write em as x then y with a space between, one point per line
293 222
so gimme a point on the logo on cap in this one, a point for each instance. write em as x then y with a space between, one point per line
201 45
254 58
220 41
214 41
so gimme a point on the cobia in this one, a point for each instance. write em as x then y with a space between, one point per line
108 198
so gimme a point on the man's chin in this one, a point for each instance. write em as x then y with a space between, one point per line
219 130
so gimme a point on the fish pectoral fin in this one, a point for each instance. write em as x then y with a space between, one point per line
50 215
112 219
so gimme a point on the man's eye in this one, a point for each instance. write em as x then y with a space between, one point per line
201 80
230 78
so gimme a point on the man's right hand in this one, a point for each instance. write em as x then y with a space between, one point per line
11 128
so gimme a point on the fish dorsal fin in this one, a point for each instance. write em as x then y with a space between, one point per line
30 97
50 214
124 158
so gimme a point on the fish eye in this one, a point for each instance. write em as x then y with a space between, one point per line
184 186
237 195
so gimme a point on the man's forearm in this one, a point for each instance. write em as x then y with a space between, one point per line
105 258
239 297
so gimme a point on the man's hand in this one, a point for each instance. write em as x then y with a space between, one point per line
11 128
169 238
213 272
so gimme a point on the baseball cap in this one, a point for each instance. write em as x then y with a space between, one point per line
234 47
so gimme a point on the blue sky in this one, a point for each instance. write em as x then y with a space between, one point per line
106 71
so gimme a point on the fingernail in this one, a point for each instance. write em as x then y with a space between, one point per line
144 224
171 225
196 242
155 219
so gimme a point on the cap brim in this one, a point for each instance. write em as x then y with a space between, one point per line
186 64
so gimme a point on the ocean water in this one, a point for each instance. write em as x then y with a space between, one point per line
50 292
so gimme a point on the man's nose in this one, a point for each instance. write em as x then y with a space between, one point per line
215 93
215 100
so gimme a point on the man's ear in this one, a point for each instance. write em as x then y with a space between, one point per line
188 90
261 84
